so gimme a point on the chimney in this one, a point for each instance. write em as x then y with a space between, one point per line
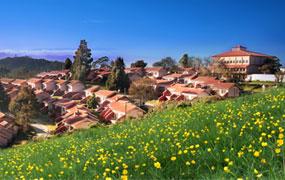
238 48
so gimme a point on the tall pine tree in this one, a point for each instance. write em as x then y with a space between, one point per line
118 79
4 99
82 62
184 61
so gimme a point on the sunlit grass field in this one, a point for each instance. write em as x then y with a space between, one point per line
239 138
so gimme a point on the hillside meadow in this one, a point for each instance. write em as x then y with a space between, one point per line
237 138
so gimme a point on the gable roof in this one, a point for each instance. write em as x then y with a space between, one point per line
182 88
154 68
105 93
123 106
241 51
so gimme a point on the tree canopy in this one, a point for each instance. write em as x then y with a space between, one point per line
143 89
82 62
118 79
67 64
184 61
270 66
139 64
101 62
92 102
24 106
167 62
4 99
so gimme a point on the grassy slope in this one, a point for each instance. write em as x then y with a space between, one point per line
208 141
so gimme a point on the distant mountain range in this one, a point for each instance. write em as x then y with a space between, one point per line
25 67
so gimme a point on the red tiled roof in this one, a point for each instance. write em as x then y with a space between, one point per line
241 51
123 106
181 88
93 89
6 80
223 85
105 93
19 81
154 68
174 75
34 80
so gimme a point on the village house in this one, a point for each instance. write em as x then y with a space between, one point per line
61 85
49 84
12 93
75 86
19 82
61 74
189 70
35 83
90 91
155 72
120 110
135 73
180 92
161 85
103 95
77 117
240 62
176 77
221 88
41 95
8 130
6 81
61 106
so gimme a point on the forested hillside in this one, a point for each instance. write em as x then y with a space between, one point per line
25 67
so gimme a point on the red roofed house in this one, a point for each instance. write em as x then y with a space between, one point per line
240 61
19 82
90 91
161 85
182 92
75 86
221 88
61 85
177 91
103 95
119 110
8 130
155 72
6 80
35 83
49 84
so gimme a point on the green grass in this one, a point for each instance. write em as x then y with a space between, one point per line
236 138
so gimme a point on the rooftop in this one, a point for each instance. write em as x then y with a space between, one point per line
241 51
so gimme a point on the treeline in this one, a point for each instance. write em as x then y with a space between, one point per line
26 67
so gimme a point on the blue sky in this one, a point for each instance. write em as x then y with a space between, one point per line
141 29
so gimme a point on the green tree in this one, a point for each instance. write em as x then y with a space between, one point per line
82 62
92 102
270 66
184 61
4 99
118 79
67 64
168 62
101 62
143 89
24 107
139 64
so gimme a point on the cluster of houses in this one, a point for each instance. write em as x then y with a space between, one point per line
8 129
65 100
